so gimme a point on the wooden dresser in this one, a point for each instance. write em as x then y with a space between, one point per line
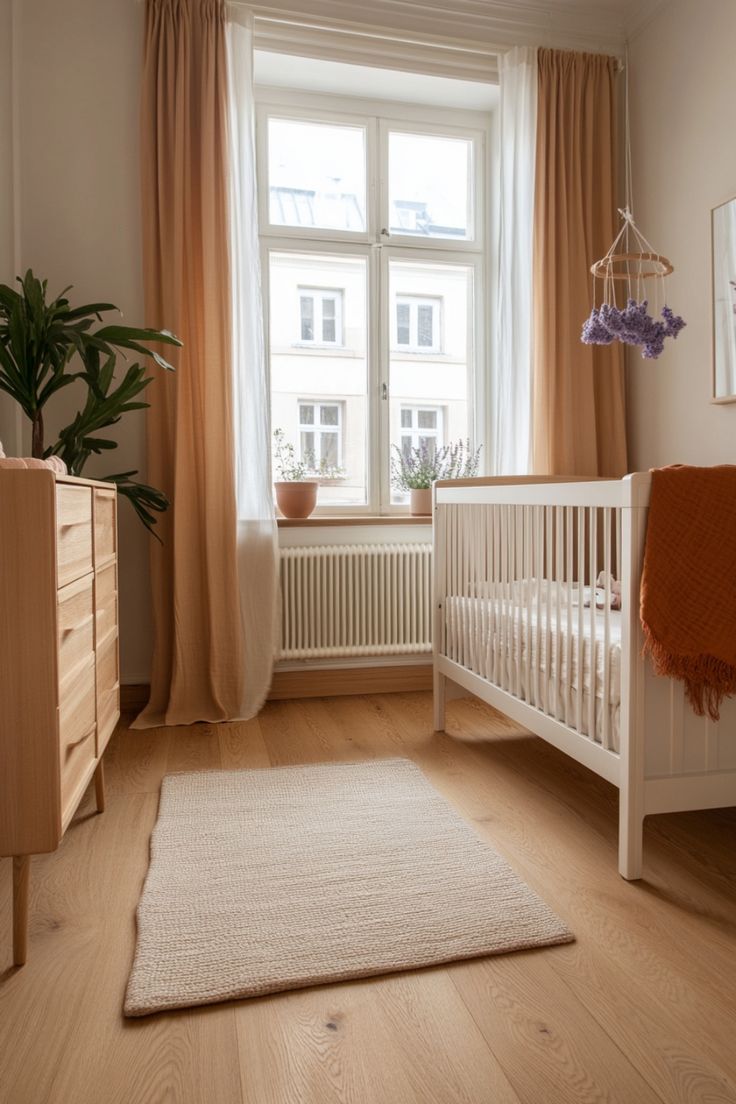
59 683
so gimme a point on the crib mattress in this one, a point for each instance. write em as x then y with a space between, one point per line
539 653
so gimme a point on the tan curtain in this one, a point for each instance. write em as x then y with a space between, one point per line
198 666
579 425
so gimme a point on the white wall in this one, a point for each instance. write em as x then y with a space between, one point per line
79 67
684 158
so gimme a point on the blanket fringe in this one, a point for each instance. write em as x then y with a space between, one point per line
707 680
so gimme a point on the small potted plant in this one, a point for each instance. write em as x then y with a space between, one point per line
296 493
416 470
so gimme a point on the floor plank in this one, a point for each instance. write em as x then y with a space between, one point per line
640 1009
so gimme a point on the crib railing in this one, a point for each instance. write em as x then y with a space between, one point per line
516 597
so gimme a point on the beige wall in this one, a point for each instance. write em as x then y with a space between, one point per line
79 65
8 420
684 157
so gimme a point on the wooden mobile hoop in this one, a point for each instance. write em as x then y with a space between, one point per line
632 259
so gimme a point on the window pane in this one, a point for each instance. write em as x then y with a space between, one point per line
434 388
328 307
306 448
403 324
425 336
316 175
324 388
329 333
429 185
307 317
328 450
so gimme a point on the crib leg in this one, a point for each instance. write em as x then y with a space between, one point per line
630 841
439 701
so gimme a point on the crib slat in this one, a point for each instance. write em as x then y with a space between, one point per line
581 611
606 698
528 602
558 612
592 642
549 673
539 572
568 623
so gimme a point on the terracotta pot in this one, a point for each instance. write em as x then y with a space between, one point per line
421 502
296 498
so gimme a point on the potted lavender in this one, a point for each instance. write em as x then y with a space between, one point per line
416 469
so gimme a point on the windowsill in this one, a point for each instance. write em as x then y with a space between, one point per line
352 519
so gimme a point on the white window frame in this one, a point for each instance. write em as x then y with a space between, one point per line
414 302
379 246
318 296
318 429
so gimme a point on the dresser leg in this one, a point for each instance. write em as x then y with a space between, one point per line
100 786
21 872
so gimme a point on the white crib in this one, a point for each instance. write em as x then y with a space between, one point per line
518 624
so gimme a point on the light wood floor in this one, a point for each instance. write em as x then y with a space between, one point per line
640 1010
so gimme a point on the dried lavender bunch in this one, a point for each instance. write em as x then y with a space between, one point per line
633 326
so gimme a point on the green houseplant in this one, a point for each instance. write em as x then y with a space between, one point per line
47 345
416 469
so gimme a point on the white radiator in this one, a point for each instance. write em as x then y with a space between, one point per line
356 600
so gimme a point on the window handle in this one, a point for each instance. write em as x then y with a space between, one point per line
385 233
384 391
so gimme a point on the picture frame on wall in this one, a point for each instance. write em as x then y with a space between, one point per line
723 241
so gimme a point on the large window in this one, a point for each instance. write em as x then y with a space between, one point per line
375 245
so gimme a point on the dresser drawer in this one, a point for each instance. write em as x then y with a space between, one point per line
106 599
77 726
108 691
107 664
108 714
73 532
104 525
75 627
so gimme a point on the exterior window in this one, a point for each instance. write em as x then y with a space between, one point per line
320 436
418 324
421 427
320 316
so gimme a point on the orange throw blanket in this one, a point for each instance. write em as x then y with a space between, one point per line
688 585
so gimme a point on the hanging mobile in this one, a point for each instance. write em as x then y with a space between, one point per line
630 260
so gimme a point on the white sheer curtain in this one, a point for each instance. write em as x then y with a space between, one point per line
511 440
257 534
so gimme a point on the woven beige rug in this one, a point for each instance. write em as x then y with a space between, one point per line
266 880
